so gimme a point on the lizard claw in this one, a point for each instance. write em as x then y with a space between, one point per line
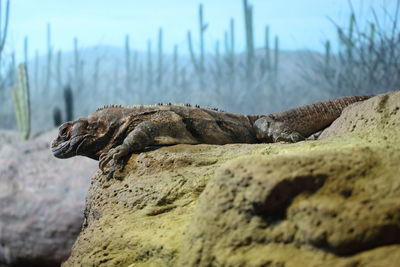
112 161
105 158
289 136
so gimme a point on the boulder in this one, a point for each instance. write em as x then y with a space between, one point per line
328 202
41 201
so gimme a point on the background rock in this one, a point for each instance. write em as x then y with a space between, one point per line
332 202
41 201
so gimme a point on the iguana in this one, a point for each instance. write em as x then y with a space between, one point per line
113 132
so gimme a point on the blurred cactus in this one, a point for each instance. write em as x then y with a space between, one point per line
135 76
21 99
276 60
198 63
248 19
115 78
327 59
26 50
350 37
270 64
78 66
267 61
135 61
141 80
58 69
149 67
3 37
371 40
348 45
347 41
175 66
96 73
36 70
69 103
57 116
218 68
81 74
160 67
232 38
3 30
128 70
12 69
230 54
49 59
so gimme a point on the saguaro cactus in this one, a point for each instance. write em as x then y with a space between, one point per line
218 68
69 103
58 69
12 69
49 59
21 99
36 71
26 50
198 63
77 65
149 67
267 60
57 116
160 67
128 71
175 66
3 31
248 19
276 60
230 53
141 80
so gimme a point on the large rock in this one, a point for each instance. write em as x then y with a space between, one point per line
332 202
41 201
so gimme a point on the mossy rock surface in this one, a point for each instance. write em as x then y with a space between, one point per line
331 202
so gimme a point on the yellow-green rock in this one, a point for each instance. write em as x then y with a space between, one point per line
331 202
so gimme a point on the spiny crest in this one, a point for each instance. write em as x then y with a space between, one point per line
188 105
158 104
109 106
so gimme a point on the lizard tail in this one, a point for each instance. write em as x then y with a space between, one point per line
312 118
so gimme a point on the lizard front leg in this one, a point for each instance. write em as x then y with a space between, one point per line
270 130
137 140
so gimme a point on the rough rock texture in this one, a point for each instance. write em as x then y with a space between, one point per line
41 201
331 202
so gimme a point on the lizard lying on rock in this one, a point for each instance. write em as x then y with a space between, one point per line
113 132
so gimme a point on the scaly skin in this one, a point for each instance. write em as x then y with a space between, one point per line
296 124
112 133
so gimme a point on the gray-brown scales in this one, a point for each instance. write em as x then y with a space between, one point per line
114 132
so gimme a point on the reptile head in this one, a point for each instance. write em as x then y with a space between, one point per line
79 137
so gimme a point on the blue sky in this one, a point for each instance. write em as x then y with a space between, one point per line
300 24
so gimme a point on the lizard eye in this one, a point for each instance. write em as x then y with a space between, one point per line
63 131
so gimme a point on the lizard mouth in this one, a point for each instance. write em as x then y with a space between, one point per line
68 148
